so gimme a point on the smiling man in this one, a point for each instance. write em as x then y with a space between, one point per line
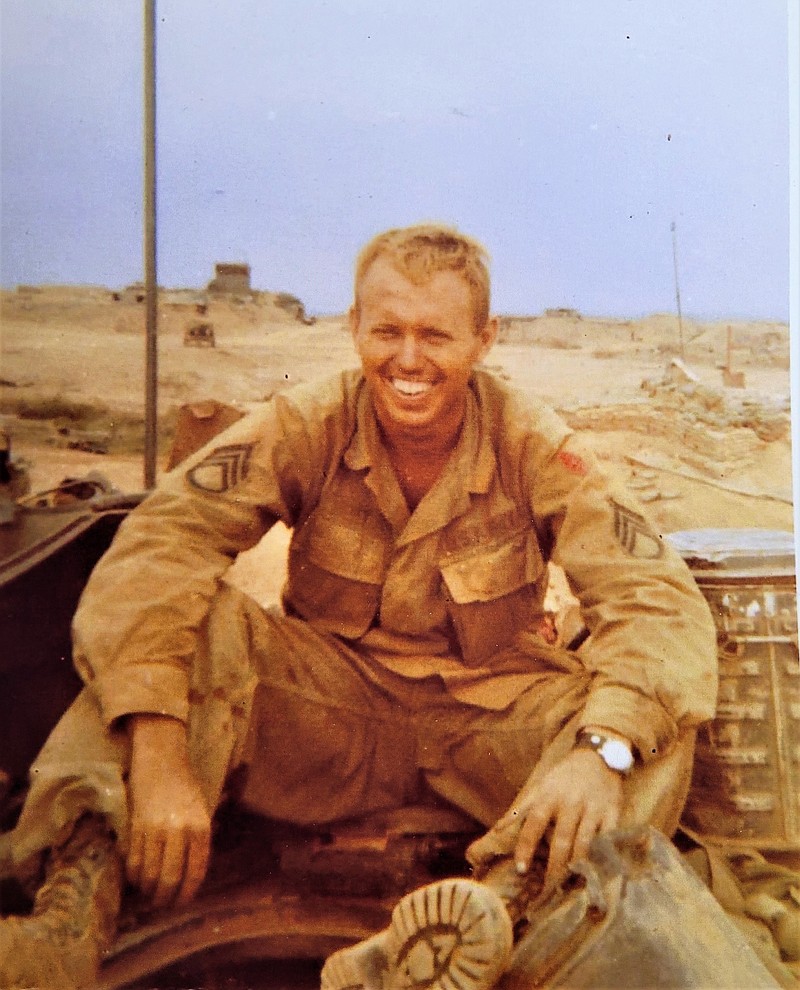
419 334
411 660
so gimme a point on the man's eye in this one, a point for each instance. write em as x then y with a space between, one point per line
437 336
385 333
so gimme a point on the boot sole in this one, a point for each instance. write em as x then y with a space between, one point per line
451 935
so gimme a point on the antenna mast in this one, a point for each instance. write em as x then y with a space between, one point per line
677 288
150 277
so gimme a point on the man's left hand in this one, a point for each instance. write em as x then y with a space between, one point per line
579 797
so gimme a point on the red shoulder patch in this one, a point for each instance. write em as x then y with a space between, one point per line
573 463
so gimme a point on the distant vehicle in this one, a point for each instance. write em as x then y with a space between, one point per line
199 335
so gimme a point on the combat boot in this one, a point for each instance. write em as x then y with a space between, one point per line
451 935
60 944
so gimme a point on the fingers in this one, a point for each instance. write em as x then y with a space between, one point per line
562 843
152 854
531 834
196 865
145 857
143 865
584 836
133 864
593 823
578 798
170 831
574 828
169 865
171 871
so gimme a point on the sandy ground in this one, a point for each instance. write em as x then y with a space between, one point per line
80 347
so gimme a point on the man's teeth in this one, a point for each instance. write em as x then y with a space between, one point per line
410 388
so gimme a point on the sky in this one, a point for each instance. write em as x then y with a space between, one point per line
566 135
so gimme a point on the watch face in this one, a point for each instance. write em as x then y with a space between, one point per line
616 755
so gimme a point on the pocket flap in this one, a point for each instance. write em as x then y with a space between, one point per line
492 573
343 548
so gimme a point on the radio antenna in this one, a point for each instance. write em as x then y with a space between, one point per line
150 271
677 288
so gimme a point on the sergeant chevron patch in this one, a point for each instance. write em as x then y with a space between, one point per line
223 469
634 533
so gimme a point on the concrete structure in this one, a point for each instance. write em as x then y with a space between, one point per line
562 313
133 293
231 278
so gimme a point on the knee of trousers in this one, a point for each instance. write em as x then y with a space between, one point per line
222 664
222 686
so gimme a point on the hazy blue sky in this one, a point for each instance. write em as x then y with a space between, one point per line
565 134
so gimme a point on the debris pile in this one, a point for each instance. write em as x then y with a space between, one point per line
716 430
712 449
649 485
718 408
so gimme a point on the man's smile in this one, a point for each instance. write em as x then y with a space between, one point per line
410 389
418 344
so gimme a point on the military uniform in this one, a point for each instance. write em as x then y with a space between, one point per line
407 656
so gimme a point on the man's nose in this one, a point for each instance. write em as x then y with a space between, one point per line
410 355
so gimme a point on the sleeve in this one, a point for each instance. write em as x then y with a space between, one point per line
136 626
652 643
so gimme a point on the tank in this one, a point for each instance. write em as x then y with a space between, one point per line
746 787
278 900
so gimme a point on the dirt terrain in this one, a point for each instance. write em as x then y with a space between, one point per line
698 453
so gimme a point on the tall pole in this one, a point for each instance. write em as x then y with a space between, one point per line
150 271
677 288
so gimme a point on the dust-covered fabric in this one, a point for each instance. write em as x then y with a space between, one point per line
761 893
317 733
453 589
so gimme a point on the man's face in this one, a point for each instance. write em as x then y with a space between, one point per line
418 345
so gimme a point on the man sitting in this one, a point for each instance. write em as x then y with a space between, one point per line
425 499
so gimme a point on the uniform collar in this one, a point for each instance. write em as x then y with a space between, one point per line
473 459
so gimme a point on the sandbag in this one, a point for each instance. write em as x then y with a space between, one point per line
634 915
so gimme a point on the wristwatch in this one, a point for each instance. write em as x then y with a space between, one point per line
615 754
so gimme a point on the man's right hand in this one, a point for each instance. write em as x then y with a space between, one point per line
170 838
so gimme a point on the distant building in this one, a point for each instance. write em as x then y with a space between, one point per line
133 293
563 313
231 278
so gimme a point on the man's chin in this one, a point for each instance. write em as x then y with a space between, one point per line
411 421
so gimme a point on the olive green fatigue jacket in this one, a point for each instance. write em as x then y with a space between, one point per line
454 588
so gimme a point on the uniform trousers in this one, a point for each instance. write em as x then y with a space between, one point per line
316 734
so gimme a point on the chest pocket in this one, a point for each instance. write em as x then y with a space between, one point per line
493 593
337 566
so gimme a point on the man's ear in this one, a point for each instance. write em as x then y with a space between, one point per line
352 324
488 336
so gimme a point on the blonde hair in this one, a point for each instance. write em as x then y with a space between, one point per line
419 252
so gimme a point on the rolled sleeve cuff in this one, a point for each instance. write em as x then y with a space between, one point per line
633 715
143 689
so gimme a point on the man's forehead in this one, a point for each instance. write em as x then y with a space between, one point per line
385 283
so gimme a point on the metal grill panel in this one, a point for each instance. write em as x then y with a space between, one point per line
746 785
